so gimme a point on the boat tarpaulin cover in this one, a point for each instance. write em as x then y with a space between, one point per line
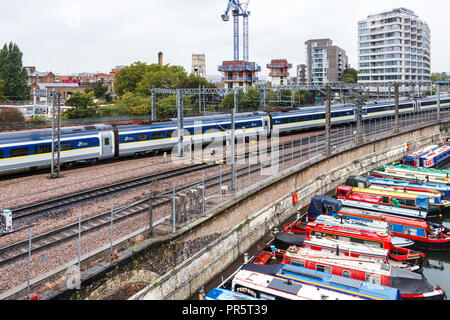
284 240
409 282
422 202
271 269
320 203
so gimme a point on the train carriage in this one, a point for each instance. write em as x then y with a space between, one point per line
30 150
164 136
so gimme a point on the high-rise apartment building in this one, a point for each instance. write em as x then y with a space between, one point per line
325 62
394 46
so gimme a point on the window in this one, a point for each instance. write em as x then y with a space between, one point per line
342 193
326 269
298 263
346 274
1 154
106 141
19 152
157 136
371 278
66 146
139 137
43 149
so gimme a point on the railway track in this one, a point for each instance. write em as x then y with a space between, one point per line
71 199
19 250
42 207
66 233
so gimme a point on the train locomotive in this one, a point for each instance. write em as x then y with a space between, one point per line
30 150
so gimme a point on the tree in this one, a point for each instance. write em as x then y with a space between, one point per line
99 90
439 76
13 73
350 75
11 115
2 91
82 104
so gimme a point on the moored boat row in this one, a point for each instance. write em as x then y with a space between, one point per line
362 244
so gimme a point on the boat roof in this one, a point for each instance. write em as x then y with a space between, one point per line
270 277
363 264
385 217
227 295
418 184
435 153
332 244
352 286
375 226
377 192
410 213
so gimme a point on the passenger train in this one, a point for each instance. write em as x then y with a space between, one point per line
31 150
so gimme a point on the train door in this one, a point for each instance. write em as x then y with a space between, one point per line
417 106
107 144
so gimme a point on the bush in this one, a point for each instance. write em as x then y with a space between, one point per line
11 115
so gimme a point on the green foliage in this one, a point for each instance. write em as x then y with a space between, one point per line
442 76
99 90
11 115
139 78
83 106
13 74
129 104
2 91
350 76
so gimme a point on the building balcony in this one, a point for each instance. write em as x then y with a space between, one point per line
240 79
247 67
279 74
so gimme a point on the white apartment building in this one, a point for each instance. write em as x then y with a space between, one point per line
394 46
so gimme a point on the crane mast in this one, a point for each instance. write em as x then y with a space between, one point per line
238 10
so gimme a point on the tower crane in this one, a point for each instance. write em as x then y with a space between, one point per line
238 9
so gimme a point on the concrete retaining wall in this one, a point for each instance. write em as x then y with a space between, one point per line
273 205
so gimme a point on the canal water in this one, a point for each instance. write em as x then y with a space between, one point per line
438 269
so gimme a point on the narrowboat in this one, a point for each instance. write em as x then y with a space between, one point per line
282 241
412 286
412 159
425 235
399 185
357 288
219 294
402 172
388 198
338 229
435 157
262 282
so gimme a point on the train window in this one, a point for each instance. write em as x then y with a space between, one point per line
173 134
346 274
284 121
142 137
1 154
157 136
106 141
43 149
66 146
222 128
19 152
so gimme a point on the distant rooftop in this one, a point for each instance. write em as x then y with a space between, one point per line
396 11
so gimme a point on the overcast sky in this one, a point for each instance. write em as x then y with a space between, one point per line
74 36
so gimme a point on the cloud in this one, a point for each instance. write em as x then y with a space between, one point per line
74 36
